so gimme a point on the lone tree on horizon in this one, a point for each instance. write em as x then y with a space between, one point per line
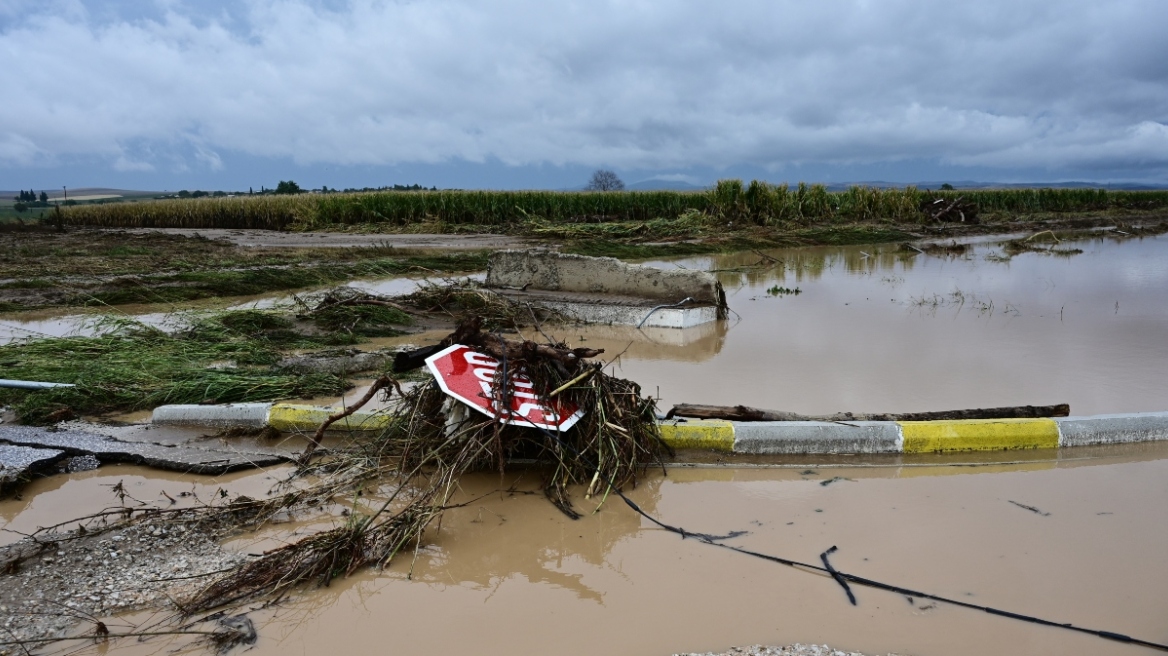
288 187
605 180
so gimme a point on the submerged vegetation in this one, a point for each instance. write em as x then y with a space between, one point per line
544 212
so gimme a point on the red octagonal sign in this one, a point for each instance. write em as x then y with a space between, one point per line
467 375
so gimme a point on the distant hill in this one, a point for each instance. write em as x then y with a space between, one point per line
657 184
81 193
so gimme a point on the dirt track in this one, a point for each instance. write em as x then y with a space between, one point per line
271 238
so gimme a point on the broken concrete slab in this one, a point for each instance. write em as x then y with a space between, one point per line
19 463
108 450
554 271
607 290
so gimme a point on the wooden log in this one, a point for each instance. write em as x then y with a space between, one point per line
746 413
732 413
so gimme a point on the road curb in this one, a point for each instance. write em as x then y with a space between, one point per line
287 417
824 438
760 437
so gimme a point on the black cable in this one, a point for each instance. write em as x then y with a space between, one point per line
836 575
843 577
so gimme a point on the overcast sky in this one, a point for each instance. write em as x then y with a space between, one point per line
168 94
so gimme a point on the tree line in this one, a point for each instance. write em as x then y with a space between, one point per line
30 196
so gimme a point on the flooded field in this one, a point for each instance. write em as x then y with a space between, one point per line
1074 536
878 329
884 329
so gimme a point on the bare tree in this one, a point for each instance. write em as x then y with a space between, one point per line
605 180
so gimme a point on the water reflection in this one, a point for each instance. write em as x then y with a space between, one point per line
882 329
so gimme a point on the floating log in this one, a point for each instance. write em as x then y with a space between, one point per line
746 413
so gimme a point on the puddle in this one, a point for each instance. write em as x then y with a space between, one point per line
510 574
49 501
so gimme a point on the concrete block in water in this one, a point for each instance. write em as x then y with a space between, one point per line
1112 429
795 437
543 269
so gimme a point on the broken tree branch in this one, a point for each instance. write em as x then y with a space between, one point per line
381 383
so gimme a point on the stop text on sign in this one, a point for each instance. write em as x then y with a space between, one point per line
469 376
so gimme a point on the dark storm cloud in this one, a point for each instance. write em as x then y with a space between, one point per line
176 85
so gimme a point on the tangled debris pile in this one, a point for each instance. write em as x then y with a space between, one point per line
955 210
431 441
1038 243
385 490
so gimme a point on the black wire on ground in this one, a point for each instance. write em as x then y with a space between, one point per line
836 575
843 578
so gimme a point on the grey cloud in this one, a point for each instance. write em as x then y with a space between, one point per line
645 85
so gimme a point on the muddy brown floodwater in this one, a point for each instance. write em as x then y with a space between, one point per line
879 329
876 329
509 574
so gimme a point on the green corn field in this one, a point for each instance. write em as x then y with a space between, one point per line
757 203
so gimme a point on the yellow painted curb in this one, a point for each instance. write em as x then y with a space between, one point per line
979 435
699 434
288 417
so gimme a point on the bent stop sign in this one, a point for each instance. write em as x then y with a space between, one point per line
468 376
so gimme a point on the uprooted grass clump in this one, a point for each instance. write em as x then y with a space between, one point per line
431 441
465 298
353 312
220 358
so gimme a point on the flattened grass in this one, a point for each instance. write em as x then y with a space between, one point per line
221 358
93 268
